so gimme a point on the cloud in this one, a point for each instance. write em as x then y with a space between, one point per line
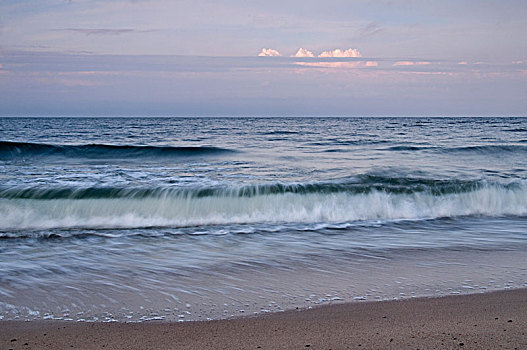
337 53
411 63
104 31
403 63
75 66
303 53
340 53
215 85
348 65
269 53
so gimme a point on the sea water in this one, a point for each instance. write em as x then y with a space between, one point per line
134 219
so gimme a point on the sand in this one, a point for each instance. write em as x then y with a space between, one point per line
495 320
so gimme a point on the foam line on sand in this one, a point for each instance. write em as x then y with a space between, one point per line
478 321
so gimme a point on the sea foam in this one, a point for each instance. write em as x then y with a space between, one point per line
173 208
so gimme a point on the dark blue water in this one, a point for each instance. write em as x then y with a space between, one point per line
190 218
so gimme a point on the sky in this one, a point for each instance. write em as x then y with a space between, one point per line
263 58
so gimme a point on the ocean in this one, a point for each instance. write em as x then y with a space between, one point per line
183 219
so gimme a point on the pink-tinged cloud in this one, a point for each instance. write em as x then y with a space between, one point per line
451 74
336 65
269 53
340 53
513 62
411 63
403 63
303 53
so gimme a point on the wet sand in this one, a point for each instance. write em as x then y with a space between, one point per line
496 320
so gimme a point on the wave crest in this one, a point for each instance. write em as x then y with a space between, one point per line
251 205
24 149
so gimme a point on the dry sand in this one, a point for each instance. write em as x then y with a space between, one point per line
495 320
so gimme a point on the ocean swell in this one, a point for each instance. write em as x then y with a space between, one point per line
10 150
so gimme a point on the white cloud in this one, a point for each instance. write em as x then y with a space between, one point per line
340 53
337 53
303 53
269 53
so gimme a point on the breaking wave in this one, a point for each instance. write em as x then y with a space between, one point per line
368 198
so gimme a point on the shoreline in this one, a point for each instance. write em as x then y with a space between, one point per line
229 291
488 320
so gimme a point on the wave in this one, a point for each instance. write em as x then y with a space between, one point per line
489 149
484 149
394 199
407 148
359 185
335 142
280 132
26 149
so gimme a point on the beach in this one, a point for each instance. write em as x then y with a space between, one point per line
496 320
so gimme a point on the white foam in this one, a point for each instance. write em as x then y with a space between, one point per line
182 211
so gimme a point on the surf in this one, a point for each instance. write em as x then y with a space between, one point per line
33 208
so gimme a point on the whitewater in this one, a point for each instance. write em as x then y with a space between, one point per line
66 208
